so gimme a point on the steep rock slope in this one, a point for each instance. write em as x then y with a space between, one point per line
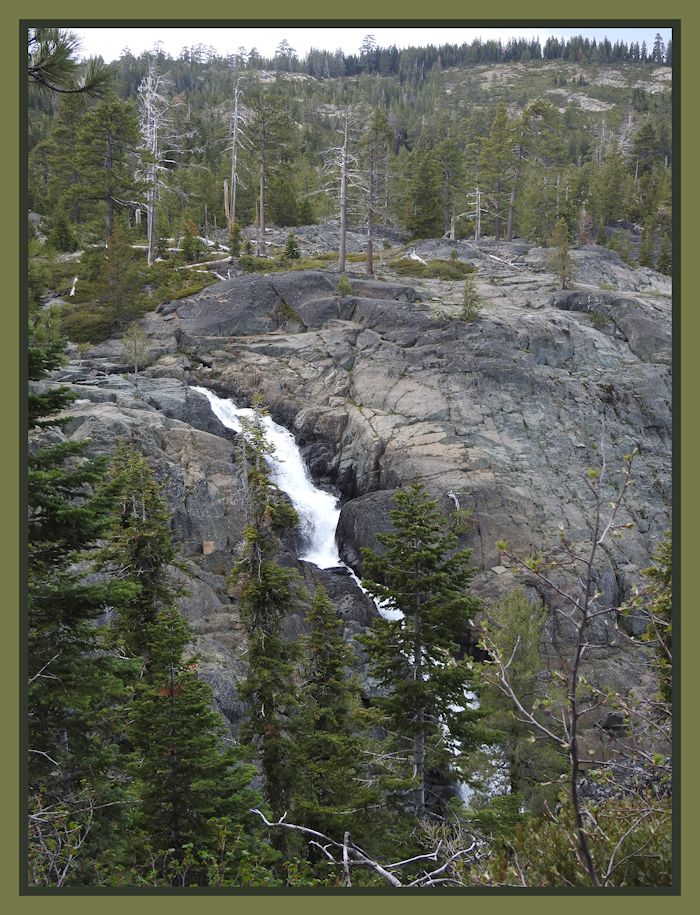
501 415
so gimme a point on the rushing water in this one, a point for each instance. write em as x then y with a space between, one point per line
318 510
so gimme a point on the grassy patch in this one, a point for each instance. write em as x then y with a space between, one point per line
251 264
190 290
434 269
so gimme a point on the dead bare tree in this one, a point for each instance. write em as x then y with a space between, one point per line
342 165
239 118
154 109
347 855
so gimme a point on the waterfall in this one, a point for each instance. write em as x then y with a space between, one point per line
318 510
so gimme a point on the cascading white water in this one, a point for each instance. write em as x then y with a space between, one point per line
318 510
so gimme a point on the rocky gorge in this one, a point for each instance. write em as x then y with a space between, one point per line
500 416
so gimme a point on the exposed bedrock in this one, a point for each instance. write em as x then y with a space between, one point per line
502 416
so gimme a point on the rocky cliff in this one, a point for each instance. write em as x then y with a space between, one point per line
501 415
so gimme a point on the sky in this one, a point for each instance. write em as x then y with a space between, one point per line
109 42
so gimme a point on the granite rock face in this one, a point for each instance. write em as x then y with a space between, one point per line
502 415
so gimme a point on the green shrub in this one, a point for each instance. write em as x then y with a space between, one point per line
344 286
85 325
235 239
598 320
292 251
472 303
252 264
284 313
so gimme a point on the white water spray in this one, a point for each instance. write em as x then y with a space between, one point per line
318 510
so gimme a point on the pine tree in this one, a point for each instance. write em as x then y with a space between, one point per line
495 164
140 548
421 575
184 773
76 688
515 625
374 148
235 239
450 164
292 251
601 238
334 793
189 243
135 346
270 129
424 215
664 264
53 64
647 249
268 593
544 197
560 259
611 186
119 282
62 238
106 150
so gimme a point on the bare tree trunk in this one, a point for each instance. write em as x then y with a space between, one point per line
447 201
343 198
110 199
234 161
514 195
152 196
261 236
370 214
497 218
477 231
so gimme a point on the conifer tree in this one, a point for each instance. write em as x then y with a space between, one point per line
184 772
647 249
449 159
75 687
235 239
664 264
292 251
515 624
560 259
334 793
601 238
135 346
119 282
421 575
270 129
495 164
106 149
140 548
374 148
424 216
268 593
